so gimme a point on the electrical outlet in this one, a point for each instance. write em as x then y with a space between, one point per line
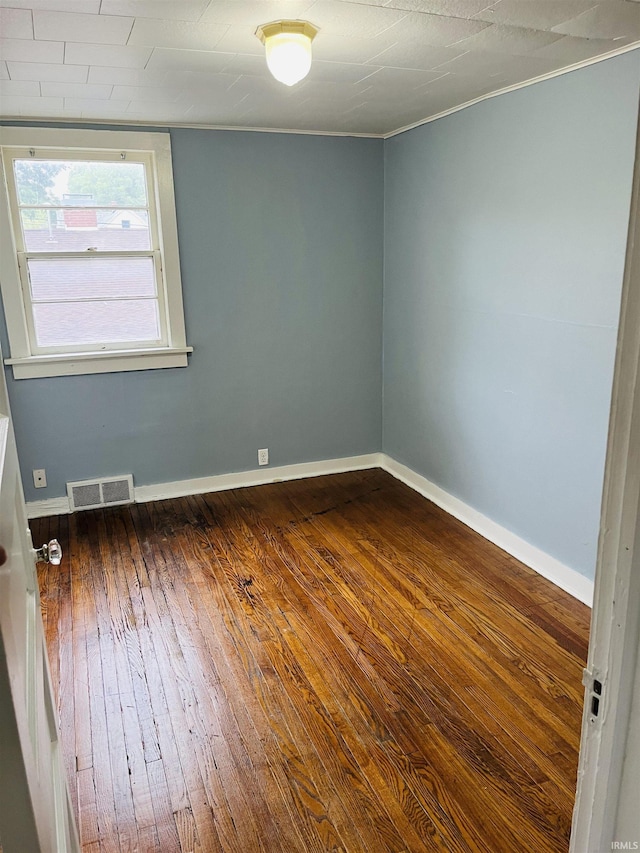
263 456
39 478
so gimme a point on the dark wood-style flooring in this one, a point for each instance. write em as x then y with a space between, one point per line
324 665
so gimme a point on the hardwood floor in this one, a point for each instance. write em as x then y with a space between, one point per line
324 665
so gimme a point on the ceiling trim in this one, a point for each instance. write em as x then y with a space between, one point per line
523 85
43 120
158 126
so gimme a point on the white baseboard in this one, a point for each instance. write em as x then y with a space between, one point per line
220 482
255 477
558 573
52 506
555 571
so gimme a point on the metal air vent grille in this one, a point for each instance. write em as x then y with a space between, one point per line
108 491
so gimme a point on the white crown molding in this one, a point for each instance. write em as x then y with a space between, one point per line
558 573
162 127
559 72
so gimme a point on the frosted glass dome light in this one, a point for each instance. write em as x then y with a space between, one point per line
288 49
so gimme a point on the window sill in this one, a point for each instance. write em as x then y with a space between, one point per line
115 361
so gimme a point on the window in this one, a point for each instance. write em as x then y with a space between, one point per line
95 286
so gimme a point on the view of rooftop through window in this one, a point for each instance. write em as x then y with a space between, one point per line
83 205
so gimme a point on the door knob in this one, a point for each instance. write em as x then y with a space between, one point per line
50 553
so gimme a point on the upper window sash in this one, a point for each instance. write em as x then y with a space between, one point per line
75 155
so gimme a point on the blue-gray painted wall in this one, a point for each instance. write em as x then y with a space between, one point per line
505 236
281 256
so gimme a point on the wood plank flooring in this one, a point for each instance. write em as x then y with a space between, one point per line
324 665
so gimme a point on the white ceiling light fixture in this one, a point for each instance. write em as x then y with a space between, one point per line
288 48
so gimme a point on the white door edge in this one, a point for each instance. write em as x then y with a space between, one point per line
615 622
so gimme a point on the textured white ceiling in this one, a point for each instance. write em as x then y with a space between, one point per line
379 65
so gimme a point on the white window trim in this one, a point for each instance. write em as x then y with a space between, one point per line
24 362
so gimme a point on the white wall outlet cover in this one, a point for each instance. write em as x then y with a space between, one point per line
263 456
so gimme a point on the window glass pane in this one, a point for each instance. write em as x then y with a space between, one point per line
81 183
91 278
77 229
71 323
